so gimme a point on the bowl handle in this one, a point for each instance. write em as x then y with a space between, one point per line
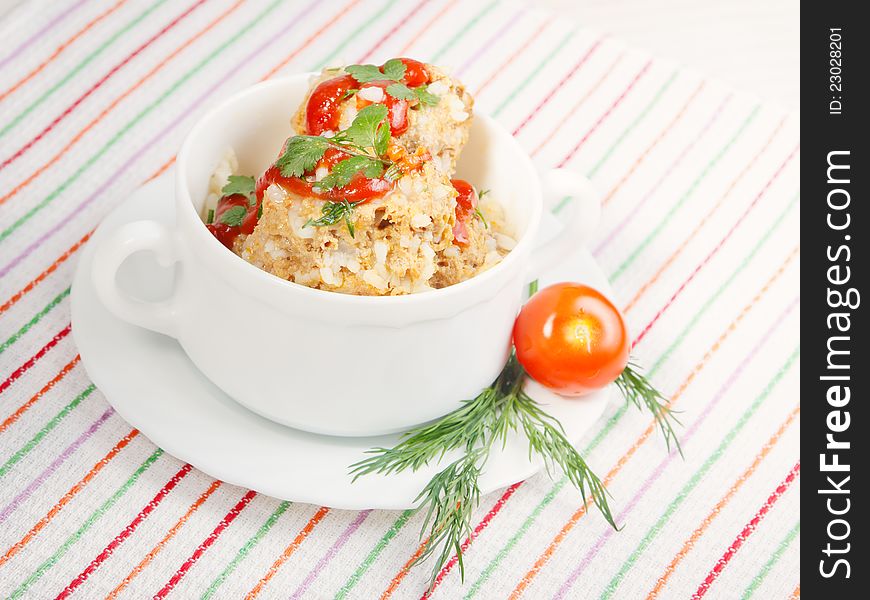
111 253
565 189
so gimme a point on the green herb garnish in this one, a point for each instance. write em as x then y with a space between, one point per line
393 70
332 213
368 130
209 218
234 216
241 184
453 493
636 389
481 217
301 154
343 171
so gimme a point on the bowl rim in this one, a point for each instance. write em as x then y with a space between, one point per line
235 269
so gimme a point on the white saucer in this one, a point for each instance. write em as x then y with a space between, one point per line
152 384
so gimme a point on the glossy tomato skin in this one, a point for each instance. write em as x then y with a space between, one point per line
570 338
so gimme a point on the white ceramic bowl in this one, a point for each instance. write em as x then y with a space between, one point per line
321 361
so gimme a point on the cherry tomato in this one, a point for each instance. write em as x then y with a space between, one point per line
570 338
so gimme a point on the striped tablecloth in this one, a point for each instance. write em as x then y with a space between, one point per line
699 237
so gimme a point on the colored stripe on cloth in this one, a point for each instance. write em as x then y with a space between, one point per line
373 554
619 99
67 497
46 429
759 578
698 475
75 104
173 531
560 45
666 462
673 165
563 81
42 392
126 532
59 50
243 552
533 37
392 31
631 126
39 34
54 466
288 552
579 103
718 246
712 211
336 51
690 543
426 27
91 161
65 148
85 526
205 544
491 42
747 531
470 24
656 141
323 28
727 283
28 364
81 65
340 541
34 320
656 230
41 277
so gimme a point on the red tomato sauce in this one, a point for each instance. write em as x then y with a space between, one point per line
227 234
466 205
322 111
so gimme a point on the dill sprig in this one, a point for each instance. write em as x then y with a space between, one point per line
638 390
453 493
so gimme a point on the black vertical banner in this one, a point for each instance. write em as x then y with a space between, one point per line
835 367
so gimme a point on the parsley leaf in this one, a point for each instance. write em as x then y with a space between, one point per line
344 170
240 184
400 91
365 73
382 138
394 69
425 96
301 154
363 132
234 216
332 213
